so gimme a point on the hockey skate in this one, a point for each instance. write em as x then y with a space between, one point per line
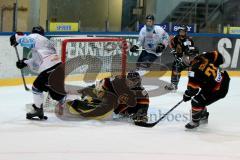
36 114
171 87
192 125
204 117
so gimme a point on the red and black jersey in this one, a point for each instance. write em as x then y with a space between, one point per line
181 45
204 72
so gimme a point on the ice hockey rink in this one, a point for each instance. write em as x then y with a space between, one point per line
56 139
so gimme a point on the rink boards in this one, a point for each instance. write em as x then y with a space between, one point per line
153 74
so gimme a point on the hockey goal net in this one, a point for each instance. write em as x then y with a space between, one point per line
90 59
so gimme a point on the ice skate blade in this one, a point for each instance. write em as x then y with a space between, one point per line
37 118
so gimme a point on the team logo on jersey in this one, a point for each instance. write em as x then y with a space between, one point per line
27 42
123 99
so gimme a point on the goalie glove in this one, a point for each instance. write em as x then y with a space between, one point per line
160 47
21 64
91 100
134 48
81 106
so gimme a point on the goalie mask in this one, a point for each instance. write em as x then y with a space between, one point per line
101 86
134 80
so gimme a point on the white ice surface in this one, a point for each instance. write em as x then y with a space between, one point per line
54 139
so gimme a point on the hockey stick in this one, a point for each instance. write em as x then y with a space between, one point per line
149 125
24 82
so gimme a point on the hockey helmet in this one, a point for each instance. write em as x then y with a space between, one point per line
183 28
150 16
134 79
38 29
149 22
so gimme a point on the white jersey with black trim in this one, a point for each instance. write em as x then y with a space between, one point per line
43 51
150 39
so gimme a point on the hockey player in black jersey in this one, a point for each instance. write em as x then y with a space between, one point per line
183 47
207 84
123 96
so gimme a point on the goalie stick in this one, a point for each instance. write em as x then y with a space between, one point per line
24 82
149 125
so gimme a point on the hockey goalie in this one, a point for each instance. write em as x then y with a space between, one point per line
120 96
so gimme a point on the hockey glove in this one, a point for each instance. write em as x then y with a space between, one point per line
13 41
20 64
186 97
160 48
134 48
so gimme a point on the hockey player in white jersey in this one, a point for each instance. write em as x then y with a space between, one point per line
44 61
154 39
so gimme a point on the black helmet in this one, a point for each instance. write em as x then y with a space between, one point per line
150 16
183 27
38 29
